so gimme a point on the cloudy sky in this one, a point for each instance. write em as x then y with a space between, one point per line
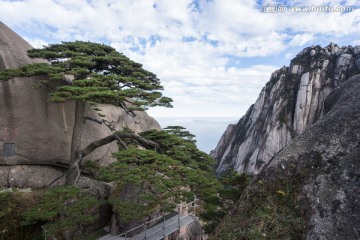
212 56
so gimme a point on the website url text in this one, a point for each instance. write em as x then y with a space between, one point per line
279 8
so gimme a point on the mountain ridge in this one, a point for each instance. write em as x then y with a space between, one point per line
291 100
310 190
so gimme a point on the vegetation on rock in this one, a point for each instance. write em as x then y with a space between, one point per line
12 206
267 209
233 186
52 213
160 176
64 209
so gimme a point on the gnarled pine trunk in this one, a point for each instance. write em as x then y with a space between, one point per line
76 140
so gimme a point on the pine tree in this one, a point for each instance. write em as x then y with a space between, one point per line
175 170
87 71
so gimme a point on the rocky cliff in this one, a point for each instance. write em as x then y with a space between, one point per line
292 100
310 189
36 136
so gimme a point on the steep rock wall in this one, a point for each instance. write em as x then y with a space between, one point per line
291 101
318 173
330 150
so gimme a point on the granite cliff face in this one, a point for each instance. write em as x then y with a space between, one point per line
36 136
301 139
312 185
290 102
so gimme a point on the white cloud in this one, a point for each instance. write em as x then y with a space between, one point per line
356 42
198 73
37 42
300 40
289 55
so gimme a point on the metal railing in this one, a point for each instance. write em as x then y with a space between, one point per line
145 225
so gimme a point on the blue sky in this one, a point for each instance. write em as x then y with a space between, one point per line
212 56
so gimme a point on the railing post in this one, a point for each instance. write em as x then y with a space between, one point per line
194 205
44 231
145 230
164 226
179 218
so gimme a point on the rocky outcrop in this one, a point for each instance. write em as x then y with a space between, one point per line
318 173
23 176
36 136
290 102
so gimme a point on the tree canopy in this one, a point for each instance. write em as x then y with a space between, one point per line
94 72
63 209
173 171
166 170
